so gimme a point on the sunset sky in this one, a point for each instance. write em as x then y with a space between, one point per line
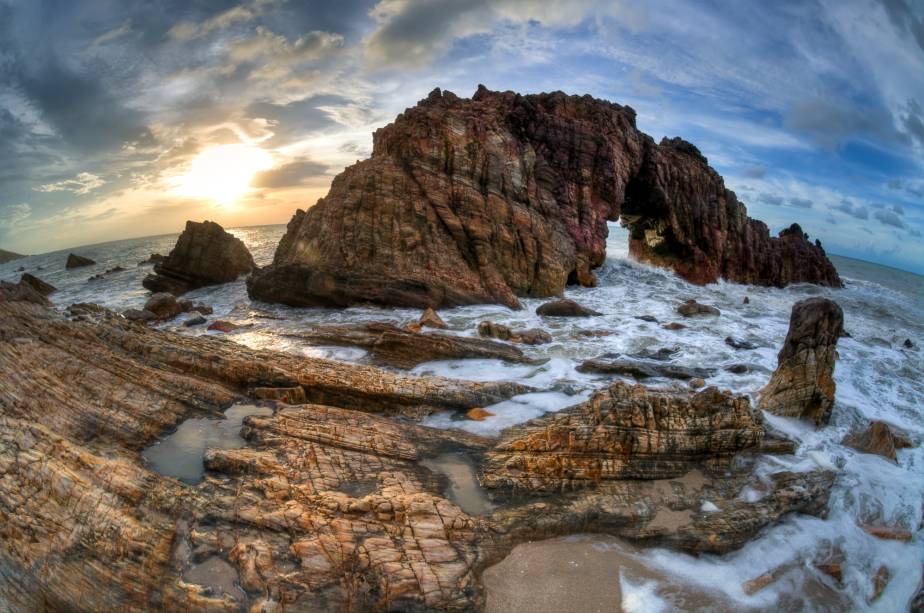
125 118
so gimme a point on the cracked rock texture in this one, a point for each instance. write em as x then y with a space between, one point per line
803 383
329 506
204 255
486 199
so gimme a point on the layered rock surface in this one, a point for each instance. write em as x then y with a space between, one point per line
204 255
330 505
803 383
501 195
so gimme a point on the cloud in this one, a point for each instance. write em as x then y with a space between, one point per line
913 122
755 172
83 183
111 35
889 218
770 199
802 203
854 210
289 175
13 215
186 31
830 124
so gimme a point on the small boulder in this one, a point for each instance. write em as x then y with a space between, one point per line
674 326
738 369
697 383
163 305
198 320
880 439
564 308
691 308
37 284
478 414
432 320
204 309
76 261
746 300
139 315
648 318
223 326
534 336
908 344
738 343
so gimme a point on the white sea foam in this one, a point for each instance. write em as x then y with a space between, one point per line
877 378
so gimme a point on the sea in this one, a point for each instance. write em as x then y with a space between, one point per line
877 376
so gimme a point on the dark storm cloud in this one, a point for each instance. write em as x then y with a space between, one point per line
914 121
289 175
802 203
831 124
903 18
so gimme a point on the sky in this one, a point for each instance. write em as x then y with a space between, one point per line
125 118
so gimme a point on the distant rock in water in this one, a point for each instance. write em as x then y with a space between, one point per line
77 261
37 284
803 383
204 255
155 258
486 199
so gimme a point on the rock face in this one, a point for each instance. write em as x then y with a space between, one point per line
77 261
624 432
204 255
803 383
330 505
501 195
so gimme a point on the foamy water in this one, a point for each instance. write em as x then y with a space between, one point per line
877 378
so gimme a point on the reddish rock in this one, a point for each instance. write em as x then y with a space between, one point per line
674 325
223 326
478 414
879 438
204 255
803 383
565 308
498 196
691 307
431 319
889 533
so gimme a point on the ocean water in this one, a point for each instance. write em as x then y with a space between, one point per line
877 378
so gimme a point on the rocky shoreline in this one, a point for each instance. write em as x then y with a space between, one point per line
282 515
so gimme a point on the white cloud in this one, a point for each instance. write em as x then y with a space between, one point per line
13 215
83 183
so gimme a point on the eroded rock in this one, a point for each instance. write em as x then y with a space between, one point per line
533 336
45 289
204 255
691 308
486 199
879 438
803 383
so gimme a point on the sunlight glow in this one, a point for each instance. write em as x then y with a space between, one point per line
223 173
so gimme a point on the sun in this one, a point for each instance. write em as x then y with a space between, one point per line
223 173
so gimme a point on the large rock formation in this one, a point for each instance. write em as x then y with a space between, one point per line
502 195
803 383
328 506
204 255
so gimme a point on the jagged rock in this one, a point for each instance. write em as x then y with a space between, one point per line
107 272
533 336
642 369
503 195
803 384
77 261
564 308
393 346
691 307
738 343
623 432
21 292
155 258
37 284
204 255
879 438
430 319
